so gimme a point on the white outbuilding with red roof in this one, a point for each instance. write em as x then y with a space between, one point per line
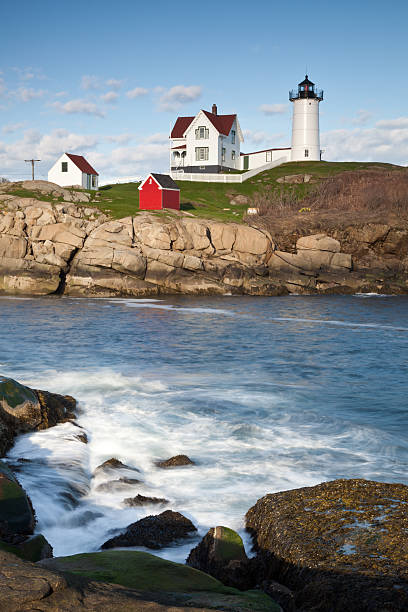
73 170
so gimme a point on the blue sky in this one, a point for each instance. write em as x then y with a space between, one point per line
107 79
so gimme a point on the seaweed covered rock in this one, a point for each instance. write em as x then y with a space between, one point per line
23 409
221 554
155 531
113 464
142 500
340 545
176 461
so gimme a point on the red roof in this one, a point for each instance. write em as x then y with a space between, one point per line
180 126
180 147
222 123
82 164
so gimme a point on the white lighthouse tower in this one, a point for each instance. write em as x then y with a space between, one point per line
305 124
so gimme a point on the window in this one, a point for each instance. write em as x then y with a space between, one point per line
269 156
233 136
150 181
201 153
232 154
223 154
94 181
64 166
306 152
202 132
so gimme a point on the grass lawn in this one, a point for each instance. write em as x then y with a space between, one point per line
209 200
212 200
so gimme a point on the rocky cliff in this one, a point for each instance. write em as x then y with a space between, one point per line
58 243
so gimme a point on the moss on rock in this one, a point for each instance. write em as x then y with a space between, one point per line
33 549
15 509
146 572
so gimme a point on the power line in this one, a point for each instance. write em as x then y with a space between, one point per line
32 164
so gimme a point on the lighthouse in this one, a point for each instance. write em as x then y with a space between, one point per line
305 124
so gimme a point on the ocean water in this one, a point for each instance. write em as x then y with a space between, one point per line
264 394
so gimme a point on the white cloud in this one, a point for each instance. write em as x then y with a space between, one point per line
387 142
61 94
158 138
176 96
26 94
132 163
393 124
28 73
78 106
110 97
273 109
46 147
136 92
114 83
363 117
2 87
10 128
120 138
90 81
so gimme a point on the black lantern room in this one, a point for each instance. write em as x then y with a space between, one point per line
306 89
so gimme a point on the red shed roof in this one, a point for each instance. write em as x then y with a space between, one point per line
82 164
222 123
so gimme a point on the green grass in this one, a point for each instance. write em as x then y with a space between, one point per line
212 200
208 200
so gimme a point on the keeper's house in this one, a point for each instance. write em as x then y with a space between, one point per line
207 142
159 191
73 170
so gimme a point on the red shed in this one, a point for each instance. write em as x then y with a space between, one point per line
159 191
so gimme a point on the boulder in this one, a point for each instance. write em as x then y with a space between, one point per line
250 240
318 242
222 236
58 232
176 461
26 277
141 500
23 409
294 178
221 554
340 545
12 247
155 531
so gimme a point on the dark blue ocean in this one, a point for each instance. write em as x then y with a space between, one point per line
264 394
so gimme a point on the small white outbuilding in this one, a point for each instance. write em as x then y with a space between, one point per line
71 170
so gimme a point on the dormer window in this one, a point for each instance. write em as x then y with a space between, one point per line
202 132
233 136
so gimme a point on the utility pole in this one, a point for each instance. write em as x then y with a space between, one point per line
32 164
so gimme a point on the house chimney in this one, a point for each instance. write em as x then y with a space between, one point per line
214 109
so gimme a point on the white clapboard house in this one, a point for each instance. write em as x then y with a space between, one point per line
211 143
70 170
